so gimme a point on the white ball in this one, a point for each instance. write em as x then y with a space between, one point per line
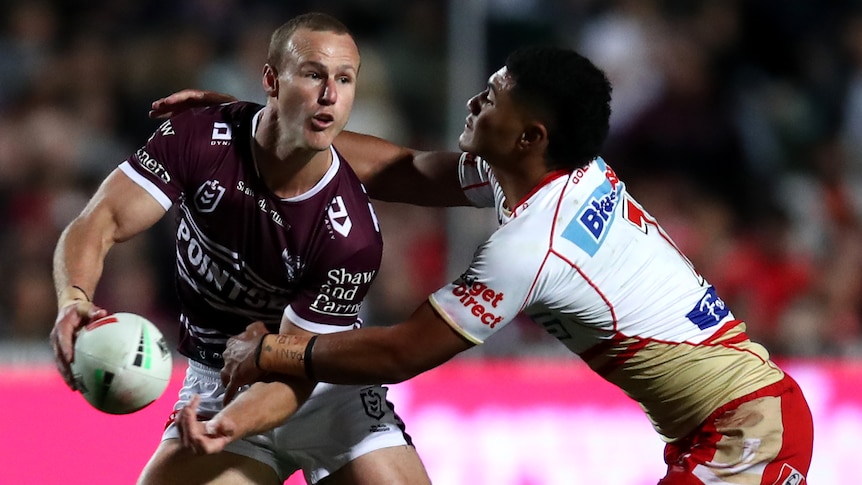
122 363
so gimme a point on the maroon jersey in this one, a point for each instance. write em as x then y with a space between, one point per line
245 254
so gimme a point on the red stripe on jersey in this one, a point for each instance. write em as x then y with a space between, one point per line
475 186
545 181
621 358
742 337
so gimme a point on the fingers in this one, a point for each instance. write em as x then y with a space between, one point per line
203 437
89 311
187 423
230 389
63 367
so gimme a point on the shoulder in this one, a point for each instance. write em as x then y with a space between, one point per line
207 118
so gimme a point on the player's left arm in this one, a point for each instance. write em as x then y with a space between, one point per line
395 173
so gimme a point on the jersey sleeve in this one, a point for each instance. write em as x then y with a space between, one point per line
160 166
475 177
331 301
491 293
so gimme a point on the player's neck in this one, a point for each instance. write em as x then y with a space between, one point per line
518 180
291 173
288 169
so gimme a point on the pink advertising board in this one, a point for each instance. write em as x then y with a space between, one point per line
474 422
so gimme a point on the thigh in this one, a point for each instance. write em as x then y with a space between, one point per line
767 440
353 430
172 464
397 465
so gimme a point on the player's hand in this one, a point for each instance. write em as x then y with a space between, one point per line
240 360
204 437
71 318
187 98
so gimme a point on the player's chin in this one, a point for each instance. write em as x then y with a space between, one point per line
320 140
465 141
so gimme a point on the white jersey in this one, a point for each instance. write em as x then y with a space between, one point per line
581 257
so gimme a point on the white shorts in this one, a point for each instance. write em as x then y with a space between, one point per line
335 426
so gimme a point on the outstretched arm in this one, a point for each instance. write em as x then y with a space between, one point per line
119 210
390 172
371 355
398 174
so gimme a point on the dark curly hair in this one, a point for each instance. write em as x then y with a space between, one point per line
570 94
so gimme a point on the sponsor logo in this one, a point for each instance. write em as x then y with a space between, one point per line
339 295
208 196
152 165
789 476
221 134
578 174
372 401
339 220
590 226
220 276
165 129
709 310
263 205
244 188
479 299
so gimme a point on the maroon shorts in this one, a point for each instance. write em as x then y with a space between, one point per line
764 438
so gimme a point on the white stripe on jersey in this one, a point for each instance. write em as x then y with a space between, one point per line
145 184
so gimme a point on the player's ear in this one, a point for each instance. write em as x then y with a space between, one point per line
270 81
533 134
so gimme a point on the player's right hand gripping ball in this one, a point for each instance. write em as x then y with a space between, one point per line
122 363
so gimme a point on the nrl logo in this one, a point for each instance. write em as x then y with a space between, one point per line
208 196
372 401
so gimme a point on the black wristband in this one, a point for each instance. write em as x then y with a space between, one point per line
257 352
82 291
309 372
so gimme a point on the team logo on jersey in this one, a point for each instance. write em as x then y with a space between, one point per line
292 264
709 311
339 219
372 401
221 134
590 226
208 196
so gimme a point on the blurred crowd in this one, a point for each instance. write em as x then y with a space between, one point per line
736 123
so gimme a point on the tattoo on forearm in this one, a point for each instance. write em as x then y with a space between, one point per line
289 354
284 354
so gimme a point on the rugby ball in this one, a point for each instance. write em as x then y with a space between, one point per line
122 363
